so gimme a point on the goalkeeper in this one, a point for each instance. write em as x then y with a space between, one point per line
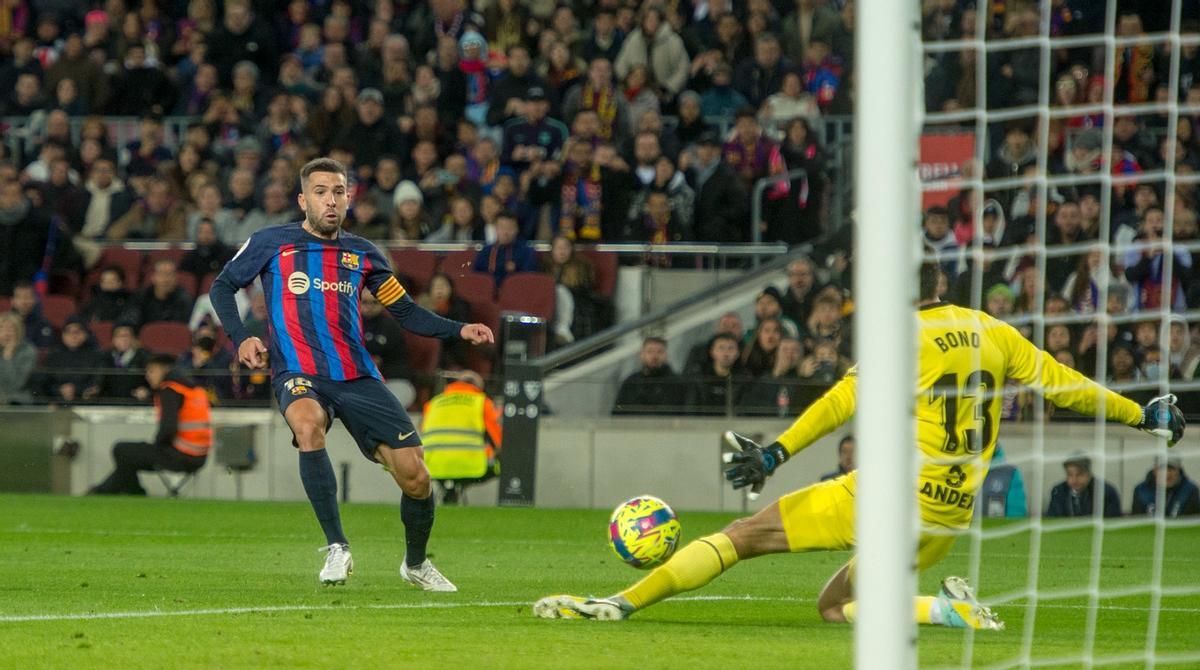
965 358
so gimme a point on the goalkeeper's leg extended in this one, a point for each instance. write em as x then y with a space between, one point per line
695 565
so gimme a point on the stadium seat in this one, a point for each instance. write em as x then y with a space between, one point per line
423 353
102 330
415 264
5 304
175 481
458 263
474 286
528 292
605 264
57 308
166 337
172 254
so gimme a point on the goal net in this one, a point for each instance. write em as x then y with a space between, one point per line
1059 162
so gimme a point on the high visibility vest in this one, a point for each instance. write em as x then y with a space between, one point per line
453 435
194 436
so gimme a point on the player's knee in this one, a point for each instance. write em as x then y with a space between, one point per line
417 484
309 436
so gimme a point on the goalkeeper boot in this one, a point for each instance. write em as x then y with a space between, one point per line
338 564
960 608
427 577
574 607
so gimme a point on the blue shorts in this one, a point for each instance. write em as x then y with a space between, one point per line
368 410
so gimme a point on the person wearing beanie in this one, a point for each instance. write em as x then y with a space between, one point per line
1181 497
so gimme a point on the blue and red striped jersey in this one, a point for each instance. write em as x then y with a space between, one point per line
312 286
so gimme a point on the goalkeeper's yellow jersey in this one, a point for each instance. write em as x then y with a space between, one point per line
965 358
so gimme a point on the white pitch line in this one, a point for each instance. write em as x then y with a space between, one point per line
147 614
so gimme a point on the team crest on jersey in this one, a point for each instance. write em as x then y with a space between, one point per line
349 260
298 385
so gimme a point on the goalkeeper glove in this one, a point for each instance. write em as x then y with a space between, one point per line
751 464
1162 418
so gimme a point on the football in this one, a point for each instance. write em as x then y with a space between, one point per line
643 531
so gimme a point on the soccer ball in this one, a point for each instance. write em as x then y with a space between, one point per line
643 531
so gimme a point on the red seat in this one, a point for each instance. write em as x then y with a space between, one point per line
528 292
415 264
173 254
422 352
605 265
166 337
102 330
5 304
459 263
478 290
57 308
64 283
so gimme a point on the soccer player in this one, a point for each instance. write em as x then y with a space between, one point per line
965 358
312 273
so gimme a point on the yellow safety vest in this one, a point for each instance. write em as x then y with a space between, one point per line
453 436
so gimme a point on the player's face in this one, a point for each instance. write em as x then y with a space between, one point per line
324 200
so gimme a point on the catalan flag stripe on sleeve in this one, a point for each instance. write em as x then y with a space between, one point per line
390 291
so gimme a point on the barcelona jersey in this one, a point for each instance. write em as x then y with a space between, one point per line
965 358
311 287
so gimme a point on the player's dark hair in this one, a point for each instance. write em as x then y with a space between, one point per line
930 274
164 360
322 165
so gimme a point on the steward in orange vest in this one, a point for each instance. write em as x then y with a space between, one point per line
184 433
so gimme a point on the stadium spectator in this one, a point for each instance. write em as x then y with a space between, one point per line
721 201
825 365
440 298
71 372
460 224
110 300
63 197
240 196
845 458
508 254
210 210
371 134
657 223
821 75
1077 494
596 93
691 124
680 196
590 192
761 76
655 46
533 137
164 299
811 20
25 305
125 368
209 255
75 65
246 95
242 36
181 441
1144 268
801 289
722 99
758 356
140 86
1003 492
791 102
1181 496
26 97
159 215
939 238
146 153
780 390
717 388
463 436
276 210
698 357
17 361
24 233
654 388
410 220
576 313
603 39
209 364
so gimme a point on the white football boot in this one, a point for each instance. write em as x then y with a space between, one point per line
338 564
961 608
427 577
574 607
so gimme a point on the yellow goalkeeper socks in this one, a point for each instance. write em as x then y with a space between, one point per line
924 607
692 567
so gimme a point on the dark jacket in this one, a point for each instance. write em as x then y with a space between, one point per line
721 206
384 339
711 395
124 374
204 260
503 260
109 306
368 143
649 392
1183 499
506 89
81 367
1064 502
176 307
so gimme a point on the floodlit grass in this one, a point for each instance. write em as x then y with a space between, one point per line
129 583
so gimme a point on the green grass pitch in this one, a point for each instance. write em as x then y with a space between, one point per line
94 583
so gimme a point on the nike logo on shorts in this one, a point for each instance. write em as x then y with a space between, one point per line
405 436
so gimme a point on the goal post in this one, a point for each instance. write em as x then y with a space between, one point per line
887 127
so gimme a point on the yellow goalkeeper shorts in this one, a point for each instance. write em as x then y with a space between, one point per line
821 518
